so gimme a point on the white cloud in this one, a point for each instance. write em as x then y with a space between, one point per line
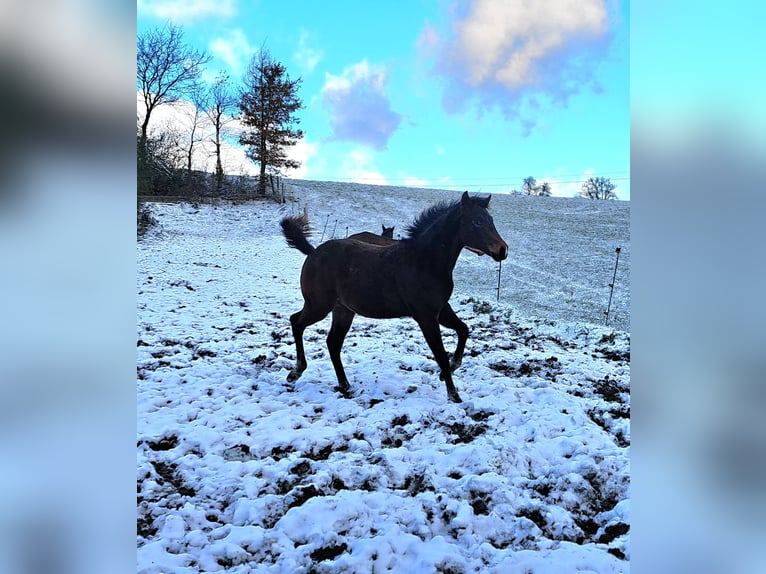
412 181
358 166
511 54
508 42
303 151
235 50
188 10
360 110
567 187
308 58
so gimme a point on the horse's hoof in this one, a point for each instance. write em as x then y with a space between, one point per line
293 376
455 398
344 391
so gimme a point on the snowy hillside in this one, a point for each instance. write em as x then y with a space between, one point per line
240 471
561 254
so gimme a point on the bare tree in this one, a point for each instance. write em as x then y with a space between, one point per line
598 188
268 103
221 102
194 112
166 69
529 185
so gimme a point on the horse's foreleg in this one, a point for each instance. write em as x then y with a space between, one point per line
449 319
430 328
341 323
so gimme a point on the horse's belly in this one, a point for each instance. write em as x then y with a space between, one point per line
373 304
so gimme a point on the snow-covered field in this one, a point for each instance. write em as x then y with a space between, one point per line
239 470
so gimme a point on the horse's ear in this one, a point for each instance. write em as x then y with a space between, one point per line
465 199
485 201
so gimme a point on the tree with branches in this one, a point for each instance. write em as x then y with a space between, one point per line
598 188
544 189
195 119
166 70
221 103
268 104
529 185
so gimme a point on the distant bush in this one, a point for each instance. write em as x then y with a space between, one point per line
145 219
480 307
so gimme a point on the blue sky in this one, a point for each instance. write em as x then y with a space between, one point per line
475 94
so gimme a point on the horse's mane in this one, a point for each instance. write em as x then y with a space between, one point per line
428 216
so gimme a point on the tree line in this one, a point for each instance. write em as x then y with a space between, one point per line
592 188
260 112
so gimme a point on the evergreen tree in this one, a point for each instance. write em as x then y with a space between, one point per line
268 104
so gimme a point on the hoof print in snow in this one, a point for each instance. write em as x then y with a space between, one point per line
280 452
613 531
416 484
400 421
465 433
239 452
301 468
167 473
165 443
479 503
304 494
182 283
610 390
479 416
615 355
330 552
325 452
616 552
535 516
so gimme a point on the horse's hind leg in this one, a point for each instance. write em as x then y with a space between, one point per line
341 322
449 319
299 321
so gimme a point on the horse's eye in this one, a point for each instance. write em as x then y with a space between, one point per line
477 222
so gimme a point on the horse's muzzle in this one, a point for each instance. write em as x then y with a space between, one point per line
499 251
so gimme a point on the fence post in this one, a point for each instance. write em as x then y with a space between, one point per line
611 287
324 228
499 272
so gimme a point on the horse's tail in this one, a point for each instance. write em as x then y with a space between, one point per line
296 230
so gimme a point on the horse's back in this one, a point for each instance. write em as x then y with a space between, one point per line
367 237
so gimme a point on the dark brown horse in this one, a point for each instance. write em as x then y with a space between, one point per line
408 278
385 238
447 318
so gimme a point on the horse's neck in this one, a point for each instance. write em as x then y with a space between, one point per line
442 241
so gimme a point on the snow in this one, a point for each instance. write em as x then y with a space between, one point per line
239 470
